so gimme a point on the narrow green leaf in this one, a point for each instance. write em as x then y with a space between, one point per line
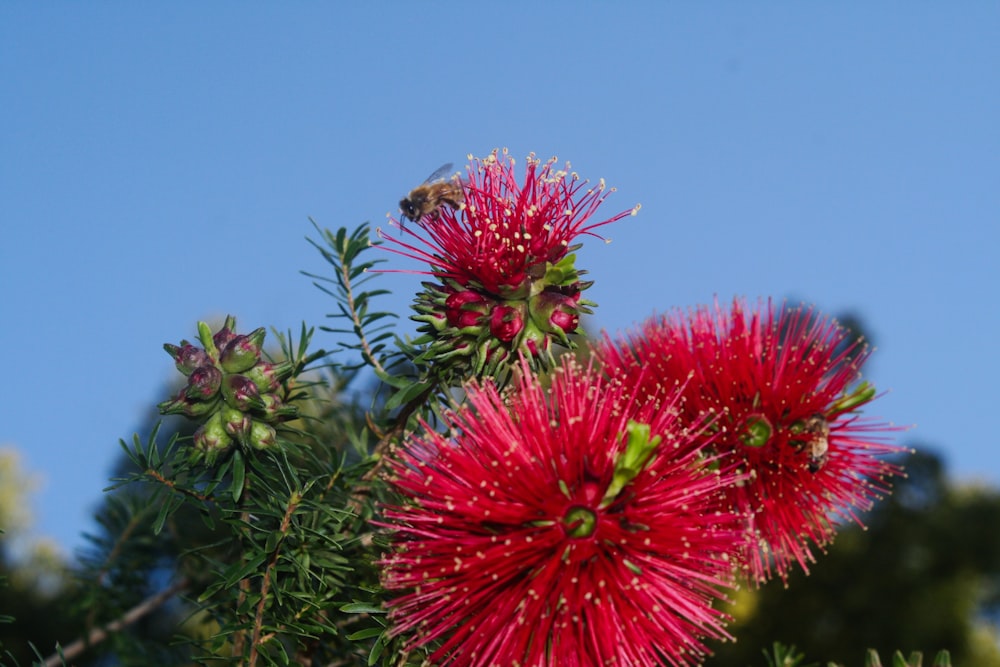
376 651
238 573
365 634
170 503
361 608
239 475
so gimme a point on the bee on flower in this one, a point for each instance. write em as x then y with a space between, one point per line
506 244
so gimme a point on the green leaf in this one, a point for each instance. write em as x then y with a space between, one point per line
407 394
361 608
377 649
169 504
239 572
365 634
239 475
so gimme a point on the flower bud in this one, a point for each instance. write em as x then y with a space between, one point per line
236 423
277 410
222 337
262 436
268 376
555 313
187 357
242 352
203 383
211 438
506 322
466 309
241 393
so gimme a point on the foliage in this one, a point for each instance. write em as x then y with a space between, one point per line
299 519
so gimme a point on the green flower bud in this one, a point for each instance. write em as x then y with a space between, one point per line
187 357
222 337
276 410
203 383
242 352
556 313
241 393
262 436
236 423
211 438
268 376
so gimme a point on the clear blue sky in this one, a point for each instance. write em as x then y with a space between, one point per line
158 162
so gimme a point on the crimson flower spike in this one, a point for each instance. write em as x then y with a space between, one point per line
505 276
783 387
561 522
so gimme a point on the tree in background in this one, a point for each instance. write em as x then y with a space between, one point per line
35 585
923 575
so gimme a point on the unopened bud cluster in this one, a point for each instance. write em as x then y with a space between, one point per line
472 330
231 389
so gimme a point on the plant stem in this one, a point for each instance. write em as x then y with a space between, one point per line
97 635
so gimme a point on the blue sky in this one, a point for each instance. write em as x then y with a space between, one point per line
158 163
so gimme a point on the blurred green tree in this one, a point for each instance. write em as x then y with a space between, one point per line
924 575
34 583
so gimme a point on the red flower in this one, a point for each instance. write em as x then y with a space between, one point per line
563 524
511 243
507 232
780 385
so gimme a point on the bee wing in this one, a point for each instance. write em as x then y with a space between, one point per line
440 173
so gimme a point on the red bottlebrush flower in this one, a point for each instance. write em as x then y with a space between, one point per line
564 524
781 387
506 233
511 242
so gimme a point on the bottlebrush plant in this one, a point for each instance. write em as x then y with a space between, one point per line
514 492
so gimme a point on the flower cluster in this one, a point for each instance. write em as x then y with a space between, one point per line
781 386
506 281
230 388
561 523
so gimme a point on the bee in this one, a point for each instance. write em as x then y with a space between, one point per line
814 437
428 197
